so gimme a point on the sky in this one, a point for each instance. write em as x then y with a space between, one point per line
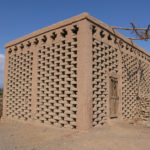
21 17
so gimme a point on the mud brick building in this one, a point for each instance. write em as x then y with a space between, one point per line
78 73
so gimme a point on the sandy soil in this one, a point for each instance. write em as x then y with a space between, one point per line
113 136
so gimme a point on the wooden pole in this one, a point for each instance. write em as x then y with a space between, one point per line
130 28
139 38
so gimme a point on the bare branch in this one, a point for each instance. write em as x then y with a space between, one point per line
141 33
137 33
147 33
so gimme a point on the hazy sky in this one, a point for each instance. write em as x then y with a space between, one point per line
20 17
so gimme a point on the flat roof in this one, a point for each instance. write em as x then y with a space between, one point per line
71 21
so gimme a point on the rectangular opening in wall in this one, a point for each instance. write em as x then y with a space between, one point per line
113 97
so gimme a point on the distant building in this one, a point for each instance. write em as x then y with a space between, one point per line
78 73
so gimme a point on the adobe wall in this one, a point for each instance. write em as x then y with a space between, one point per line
1 107
105 64
113 55
42 79
45 80
59 75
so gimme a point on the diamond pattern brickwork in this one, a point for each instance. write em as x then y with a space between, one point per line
135 87
57 84
55 102
105 60
44 76
129 86
19 85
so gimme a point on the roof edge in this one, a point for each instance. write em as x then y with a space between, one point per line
49 28
116 33
71 20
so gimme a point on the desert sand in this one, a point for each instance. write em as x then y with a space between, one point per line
112 136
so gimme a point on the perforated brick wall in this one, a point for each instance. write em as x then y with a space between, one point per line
57 83
111 55
19 84
42 78
104 61
61 76
129 86
1 107
135 75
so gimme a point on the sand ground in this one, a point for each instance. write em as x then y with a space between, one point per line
113 136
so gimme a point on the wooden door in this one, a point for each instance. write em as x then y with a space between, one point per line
114 99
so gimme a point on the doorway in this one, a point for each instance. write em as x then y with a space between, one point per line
113 97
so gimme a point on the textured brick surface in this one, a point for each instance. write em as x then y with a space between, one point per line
105 60
60 75
135 77
42 79
1 106
18 100
57 83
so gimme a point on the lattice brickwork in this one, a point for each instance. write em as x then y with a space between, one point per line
19 85
57 84
1 106
76 73
105 60
135 84
129 86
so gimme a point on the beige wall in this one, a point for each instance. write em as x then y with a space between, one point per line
1 107
59 75
113 56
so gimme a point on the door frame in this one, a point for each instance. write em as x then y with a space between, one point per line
113 98
119 79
